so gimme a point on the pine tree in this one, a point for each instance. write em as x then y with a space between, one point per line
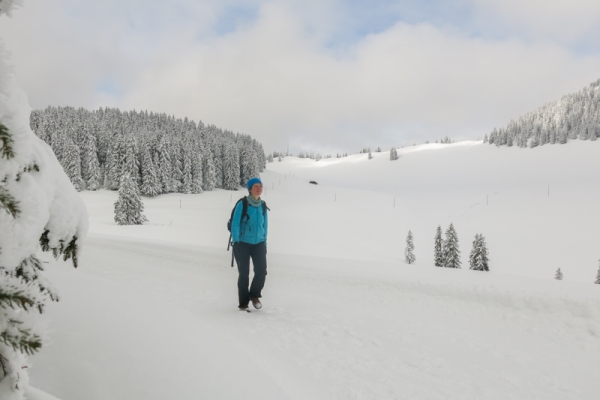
409 257
90 167
113 163
479 254
558 275
393 154
197 180
186 173
129 206
131 165
165 167
231 167
248 160
451 250
176 167
150 184
438 252
598 276
209 179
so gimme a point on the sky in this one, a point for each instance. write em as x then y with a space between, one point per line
326 76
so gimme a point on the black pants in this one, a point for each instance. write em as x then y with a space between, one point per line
243 252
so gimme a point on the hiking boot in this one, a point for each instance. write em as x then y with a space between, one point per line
243 308
256 302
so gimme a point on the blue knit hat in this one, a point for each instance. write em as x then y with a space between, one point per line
252 182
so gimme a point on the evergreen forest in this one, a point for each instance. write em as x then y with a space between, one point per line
575 116
161 153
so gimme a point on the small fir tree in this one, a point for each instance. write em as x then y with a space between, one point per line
438 252
598 276
393 154
129 206
409 257
479 254
559 275
451 250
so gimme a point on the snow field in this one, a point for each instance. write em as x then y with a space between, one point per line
151 312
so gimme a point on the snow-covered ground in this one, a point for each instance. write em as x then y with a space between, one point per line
151 311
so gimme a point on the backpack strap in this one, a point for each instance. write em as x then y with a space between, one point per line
244 201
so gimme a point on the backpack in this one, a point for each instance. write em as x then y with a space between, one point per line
244 201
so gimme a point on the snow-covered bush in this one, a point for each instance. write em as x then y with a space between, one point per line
559 275
38 205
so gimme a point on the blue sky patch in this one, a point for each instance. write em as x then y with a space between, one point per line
108 86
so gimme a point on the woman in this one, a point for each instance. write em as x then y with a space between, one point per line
249 237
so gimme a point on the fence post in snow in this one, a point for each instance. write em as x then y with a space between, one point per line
180 204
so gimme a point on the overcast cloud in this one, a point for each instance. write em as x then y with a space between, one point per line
325 76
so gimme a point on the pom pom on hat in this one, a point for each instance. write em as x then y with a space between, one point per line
252 182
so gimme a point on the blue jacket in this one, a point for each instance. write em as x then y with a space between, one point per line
254 228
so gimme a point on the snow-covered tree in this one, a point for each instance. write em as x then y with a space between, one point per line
558 275
209 179
90 167
165 166
131 164
598 276
129 205
197 179
438 252
409 257
150 184
478 259
112 176
451 250
231 167
32 186
393 154
249 165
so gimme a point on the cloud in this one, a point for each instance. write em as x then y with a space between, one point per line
287 72
566 22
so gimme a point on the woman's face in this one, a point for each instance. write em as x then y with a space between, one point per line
256 190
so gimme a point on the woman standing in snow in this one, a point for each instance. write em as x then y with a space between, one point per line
249 236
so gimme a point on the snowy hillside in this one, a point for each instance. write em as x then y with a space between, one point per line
151 312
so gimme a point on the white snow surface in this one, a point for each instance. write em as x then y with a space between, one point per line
151 313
